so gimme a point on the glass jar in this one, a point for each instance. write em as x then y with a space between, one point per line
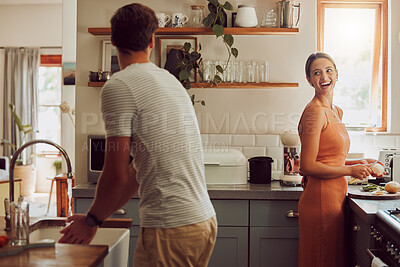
196 16
269 19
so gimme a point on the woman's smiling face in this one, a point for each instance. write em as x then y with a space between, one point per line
323 76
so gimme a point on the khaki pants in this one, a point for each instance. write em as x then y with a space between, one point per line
184 246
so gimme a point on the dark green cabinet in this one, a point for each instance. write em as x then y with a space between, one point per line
231 246
274 233
251 233
360 241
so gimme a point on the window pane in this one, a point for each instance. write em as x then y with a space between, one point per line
49 85
349 39
49 127
49 116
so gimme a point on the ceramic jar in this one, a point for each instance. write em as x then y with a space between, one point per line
246 17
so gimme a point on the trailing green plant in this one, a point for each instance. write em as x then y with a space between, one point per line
188 62
215 20
57 165
23 131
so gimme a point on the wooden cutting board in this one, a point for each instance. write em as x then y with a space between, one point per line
368 195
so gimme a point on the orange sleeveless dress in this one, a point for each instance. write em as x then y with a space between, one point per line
322 239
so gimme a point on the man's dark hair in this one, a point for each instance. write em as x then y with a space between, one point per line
132 27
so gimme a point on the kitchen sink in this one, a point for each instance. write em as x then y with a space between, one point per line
117 240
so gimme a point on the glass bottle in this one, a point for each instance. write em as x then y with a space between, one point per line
196 16
270 19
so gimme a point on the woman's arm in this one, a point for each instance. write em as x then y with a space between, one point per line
360 161
311 126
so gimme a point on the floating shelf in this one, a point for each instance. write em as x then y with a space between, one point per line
226 85
207 31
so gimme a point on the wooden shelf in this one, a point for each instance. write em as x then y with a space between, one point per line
207 31
226 85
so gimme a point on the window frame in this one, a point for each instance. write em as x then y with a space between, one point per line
51 60
380 46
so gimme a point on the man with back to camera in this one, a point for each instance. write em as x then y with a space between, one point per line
148 114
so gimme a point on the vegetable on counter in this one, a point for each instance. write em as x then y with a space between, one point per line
392 187
372 187
4 240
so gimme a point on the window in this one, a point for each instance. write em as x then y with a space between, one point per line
355 34
49 99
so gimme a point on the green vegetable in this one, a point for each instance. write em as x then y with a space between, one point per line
371 187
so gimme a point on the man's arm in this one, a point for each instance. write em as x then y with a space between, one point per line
116 185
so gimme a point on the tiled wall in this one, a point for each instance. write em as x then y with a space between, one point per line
270 145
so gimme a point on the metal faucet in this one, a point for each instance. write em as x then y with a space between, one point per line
18 152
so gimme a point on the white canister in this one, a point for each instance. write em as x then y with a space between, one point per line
246 17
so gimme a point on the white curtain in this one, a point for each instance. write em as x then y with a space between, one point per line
21 81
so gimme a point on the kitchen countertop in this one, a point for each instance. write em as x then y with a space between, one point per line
65 254
366 209
273 191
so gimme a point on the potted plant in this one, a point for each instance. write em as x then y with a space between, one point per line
216 20
57 166
23 169
190 61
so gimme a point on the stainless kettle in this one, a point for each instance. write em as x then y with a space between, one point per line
288 14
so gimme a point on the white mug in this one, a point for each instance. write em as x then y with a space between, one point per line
178 20
163 19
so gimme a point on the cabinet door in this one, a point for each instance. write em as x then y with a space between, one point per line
230 248
231 212
360 235
274 246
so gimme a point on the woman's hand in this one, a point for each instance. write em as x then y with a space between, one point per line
360 171
373 172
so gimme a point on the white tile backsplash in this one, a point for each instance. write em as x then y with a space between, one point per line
237 148
204 139
243 140
275 152
279 164
269 145
219 139
267 140
384 141
397 141
369 140
250 152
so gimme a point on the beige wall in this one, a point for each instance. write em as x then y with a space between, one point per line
27 25
234 111
30 25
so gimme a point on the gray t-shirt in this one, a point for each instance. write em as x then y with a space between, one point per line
152 107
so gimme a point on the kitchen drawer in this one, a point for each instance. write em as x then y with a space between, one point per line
273 213
232 212
131 208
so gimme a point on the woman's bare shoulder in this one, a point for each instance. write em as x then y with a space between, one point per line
313 117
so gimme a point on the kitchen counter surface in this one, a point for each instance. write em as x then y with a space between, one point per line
273 191
366 209
67 254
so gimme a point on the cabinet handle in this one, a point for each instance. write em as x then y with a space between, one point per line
356 228
292 214
121 211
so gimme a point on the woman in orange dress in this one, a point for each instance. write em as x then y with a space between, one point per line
324 147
